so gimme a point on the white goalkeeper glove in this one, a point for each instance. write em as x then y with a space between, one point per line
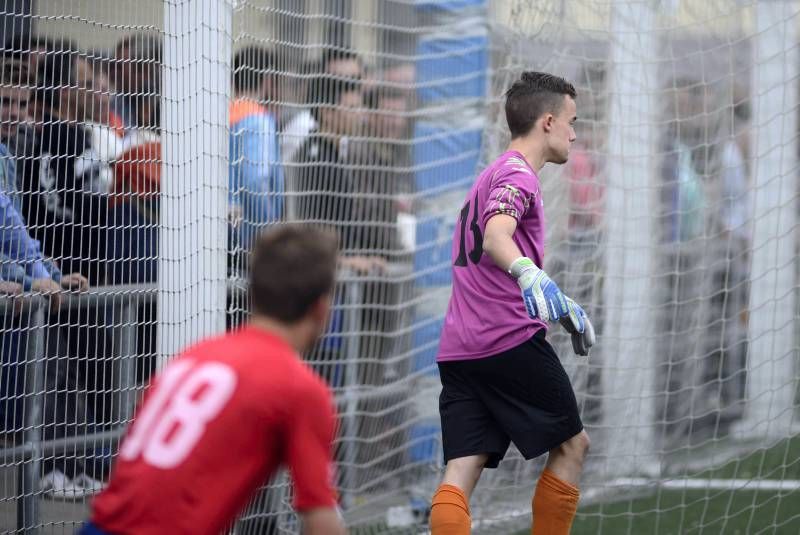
579 327
542 297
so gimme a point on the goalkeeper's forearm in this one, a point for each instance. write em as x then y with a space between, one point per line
498 241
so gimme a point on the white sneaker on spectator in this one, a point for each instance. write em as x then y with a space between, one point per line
89 485
58 486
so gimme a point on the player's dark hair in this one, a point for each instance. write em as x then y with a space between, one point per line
291 268
533 95
16 47
251 65
143 47
57 72
337 54
14 71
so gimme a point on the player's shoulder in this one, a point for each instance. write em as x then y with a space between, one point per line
305 387
512 162
510 167
255 351
238 338
309 384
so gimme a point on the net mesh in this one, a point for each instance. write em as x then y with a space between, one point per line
674 224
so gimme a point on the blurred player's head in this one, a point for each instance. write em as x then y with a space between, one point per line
388 113
14 87
342 64
541 107
336 105
254 72
57 91
292 274
137 60
95 82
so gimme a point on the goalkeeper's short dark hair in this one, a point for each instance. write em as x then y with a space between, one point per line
291 267
533 95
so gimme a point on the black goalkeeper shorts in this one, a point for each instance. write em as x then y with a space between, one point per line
521 395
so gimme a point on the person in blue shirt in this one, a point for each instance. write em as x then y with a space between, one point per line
22 269
21 259
256 174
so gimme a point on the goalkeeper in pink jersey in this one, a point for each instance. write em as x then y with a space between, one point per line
501 379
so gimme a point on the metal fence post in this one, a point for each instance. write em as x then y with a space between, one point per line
126 321
353 292
29 468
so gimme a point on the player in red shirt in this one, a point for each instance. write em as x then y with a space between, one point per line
228 412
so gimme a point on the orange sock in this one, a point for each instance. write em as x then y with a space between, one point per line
554 505
450 512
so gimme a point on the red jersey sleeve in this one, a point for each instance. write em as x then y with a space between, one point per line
309 448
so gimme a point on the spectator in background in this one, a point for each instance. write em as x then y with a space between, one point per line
730 261
14 120
736 210
327 181
13 110
16 127
17 131
683 165
22 260
384 157
382 165
68 213
68 206
38 47
137 61
16 62
104 126
327 194
256 182
339 65
689 154
586 190
388 123
134 217
22 267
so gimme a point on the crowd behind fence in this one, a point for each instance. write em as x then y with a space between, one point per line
340 141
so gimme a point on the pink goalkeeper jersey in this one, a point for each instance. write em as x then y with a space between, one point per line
486 315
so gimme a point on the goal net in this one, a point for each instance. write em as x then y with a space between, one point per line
193 124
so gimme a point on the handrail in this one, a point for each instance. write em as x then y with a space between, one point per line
34 309
147 291
59 445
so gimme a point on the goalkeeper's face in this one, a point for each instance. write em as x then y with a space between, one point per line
562 131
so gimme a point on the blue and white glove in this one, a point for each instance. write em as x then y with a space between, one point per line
579 327
543 299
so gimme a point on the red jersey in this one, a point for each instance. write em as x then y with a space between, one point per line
214 426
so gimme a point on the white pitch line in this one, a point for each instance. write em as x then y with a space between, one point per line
710 484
